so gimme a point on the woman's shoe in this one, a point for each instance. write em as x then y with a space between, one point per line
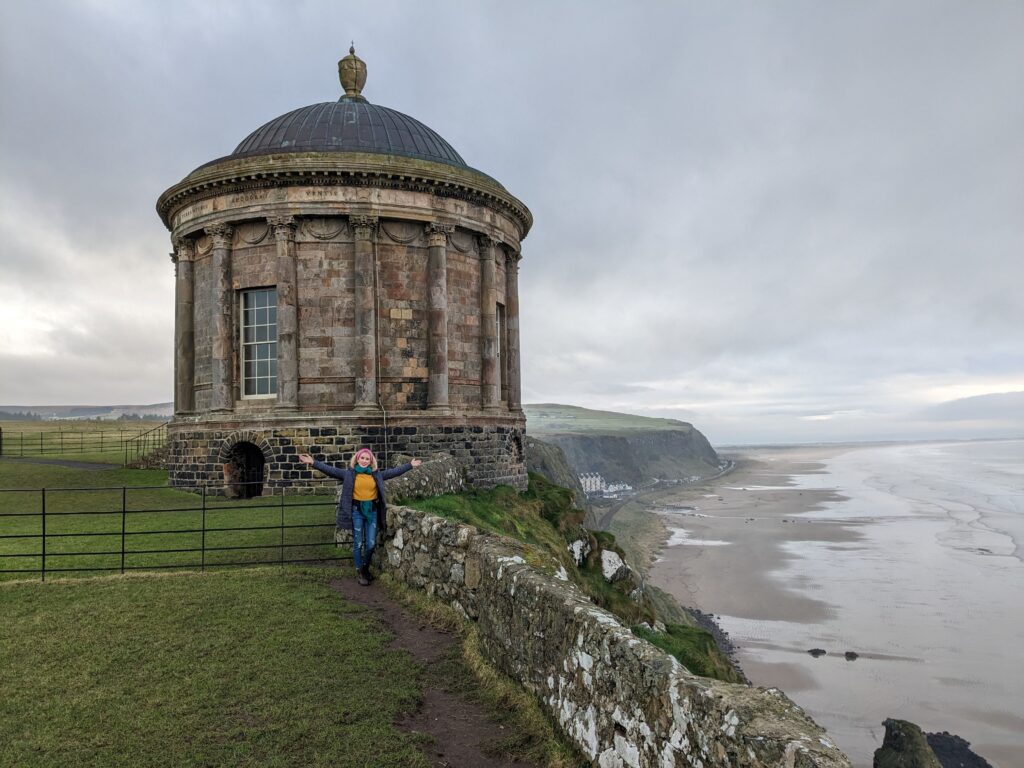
363 581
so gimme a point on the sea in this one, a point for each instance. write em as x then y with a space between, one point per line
930 597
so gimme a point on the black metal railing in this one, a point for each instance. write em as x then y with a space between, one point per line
139 528
145 443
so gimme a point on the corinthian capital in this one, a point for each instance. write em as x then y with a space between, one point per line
283 227
486 245
184 249
438 233
363 226
220 235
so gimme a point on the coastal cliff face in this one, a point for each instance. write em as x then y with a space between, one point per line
549 460
639 456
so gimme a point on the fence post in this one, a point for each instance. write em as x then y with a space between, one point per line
61 434
1 441
41 444
202 545
101 441
124 518
282 526
43 567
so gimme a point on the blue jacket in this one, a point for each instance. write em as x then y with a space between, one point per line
348 482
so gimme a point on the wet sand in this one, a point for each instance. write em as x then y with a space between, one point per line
738 526
914 571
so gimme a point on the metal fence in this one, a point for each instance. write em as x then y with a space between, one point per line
127 444
140 528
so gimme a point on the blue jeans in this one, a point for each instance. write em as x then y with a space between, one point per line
364 536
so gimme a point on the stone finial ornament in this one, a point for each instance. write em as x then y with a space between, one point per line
352 73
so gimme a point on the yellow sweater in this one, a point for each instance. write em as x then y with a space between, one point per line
365 488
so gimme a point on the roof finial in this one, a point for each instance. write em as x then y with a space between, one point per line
352 73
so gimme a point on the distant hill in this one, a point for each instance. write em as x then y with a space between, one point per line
623 447
158 410
551 417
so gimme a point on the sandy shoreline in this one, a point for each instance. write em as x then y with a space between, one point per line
756 509
786 564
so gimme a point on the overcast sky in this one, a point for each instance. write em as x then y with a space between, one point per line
781 221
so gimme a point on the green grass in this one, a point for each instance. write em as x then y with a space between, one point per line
695 648
554 418
155 518
261 667
545 522
71 440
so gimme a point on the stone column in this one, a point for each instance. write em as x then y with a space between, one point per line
287 313
221 367
365 229
184 326
490 386
512 322
437 290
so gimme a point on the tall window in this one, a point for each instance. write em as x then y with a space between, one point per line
259 342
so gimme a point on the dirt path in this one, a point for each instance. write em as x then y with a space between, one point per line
458 727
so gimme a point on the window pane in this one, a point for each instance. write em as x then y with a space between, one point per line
262 351
272 351
261 333
262 387
273 385
273 366
272 315
248 335
263 368
261 317
250 369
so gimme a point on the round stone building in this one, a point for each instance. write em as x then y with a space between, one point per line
343 278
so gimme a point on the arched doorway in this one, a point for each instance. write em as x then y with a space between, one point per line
243 472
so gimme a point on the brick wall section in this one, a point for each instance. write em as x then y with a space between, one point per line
621 700
491 452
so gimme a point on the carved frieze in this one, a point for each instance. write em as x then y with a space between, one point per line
402 232
204 244
461 240
252 232
323 227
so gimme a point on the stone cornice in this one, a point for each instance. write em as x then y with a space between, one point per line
340 168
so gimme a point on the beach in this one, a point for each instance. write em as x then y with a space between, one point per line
901 562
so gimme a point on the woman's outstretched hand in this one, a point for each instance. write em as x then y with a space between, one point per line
415 462
305 458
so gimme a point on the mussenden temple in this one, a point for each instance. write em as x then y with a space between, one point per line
343 278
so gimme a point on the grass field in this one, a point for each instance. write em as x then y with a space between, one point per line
155 517
97 441
255 667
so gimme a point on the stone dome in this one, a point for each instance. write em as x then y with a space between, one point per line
351 124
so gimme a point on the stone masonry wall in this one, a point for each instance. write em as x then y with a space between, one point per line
621 700
491 454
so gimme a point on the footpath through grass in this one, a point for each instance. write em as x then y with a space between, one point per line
265 666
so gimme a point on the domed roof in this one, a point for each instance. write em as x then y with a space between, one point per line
348 125
351 124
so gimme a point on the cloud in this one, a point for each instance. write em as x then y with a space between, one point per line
786 221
